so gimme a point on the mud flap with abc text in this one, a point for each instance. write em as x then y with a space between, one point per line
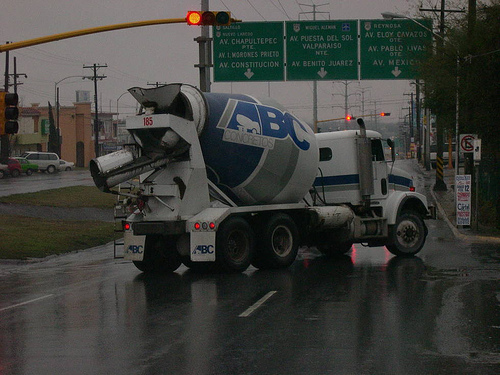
134 246
202 248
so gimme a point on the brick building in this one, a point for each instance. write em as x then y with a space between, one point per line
75 124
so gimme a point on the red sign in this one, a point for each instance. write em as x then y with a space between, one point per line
467 142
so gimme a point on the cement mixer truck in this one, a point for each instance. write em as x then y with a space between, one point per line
227 181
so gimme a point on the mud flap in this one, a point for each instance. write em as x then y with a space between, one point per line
202 247
134 246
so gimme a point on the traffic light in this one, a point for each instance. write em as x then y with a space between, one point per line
385 114
208 18
348 117
8 113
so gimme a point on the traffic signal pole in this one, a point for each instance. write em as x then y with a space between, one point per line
4 138
92 30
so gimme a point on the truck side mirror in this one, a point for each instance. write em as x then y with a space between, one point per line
393 150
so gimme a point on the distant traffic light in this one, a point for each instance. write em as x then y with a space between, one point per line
348 117
385 114
8 113
208 18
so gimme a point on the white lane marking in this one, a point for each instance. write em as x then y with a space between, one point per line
25 303
257 304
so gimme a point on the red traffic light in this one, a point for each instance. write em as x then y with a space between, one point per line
385 113
208 18
348 117
193 18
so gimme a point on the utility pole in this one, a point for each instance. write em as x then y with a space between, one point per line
417 120
440 185
95 77
315 82
15 75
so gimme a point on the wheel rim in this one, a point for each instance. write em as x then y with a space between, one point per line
237 245
282 241
407 233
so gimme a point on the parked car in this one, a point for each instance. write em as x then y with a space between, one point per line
27 166
13 168
47 161
66 165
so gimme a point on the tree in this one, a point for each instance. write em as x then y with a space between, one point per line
53 145
478 47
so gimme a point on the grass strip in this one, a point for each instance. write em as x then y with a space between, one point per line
73 196
28 237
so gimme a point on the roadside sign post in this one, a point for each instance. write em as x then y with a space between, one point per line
463 191
477 160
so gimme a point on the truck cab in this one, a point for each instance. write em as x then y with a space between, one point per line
339 168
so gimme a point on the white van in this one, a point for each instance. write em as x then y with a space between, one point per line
47 161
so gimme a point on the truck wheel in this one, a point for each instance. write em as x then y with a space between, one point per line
234 245
407 236
160 255
279 244
335 248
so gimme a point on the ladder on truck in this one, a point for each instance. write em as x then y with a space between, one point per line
120 214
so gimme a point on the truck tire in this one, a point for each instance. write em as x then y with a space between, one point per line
160 255
234 245
279 244
407 236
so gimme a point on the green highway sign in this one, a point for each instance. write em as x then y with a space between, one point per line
392 49
252 51
321 50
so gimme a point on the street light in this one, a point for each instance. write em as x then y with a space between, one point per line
389 15
117 100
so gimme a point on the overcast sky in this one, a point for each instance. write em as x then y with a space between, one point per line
167 53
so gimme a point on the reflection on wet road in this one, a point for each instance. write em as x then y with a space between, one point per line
366 313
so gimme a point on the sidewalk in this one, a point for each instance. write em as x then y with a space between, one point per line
445 204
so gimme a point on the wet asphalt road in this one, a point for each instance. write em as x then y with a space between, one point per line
365 313
44 181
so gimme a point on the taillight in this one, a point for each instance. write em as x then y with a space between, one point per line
412 188
204 225
126 226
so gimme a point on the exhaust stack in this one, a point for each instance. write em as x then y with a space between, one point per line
365 165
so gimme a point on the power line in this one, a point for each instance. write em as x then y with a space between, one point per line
254 8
